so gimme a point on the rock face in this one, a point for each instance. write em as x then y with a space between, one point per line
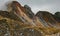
21 12
47 19
57 16
21 21
9 15
28 11
10 26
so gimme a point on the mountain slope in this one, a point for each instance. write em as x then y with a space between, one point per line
21 21
47 19
11 26
20 11
28 11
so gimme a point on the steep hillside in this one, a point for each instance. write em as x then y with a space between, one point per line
28 11
20 11
47 19
21 21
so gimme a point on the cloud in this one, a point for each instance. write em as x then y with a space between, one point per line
36 5
43 5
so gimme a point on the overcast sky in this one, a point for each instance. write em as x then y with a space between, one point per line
43 5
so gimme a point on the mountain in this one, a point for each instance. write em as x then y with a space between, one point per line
21 21
16 8
11 25
47 19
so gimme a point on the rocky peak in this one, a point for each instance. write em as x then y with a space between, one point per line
57 16
28 11
21 21
21 12
47 18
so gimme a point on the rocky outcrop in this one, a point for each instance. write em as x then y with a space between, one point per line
6 14
28 11
21 21
20 11
47 19
57 16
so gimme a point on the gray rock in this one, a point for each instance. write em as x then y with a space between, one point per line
57 14
28 11
47 18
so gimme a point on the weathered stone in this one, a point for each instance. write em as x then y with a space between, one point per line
28 11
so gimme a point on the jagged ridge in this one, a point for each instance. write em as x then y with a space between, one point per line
21 21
